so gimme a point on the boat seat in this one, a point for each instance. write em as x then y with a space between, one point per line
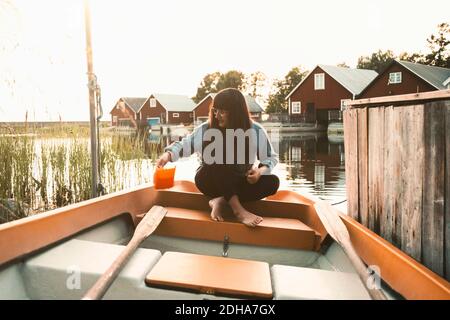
212 275
53 274
295 283
277 232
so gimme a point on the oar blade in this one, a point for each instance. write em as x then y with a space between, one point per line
332 221
150 221
338 231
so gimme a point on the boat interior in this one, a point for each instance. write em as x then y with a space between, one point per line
190 256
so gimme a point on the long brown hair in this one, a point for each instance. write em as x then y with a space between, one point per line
233 101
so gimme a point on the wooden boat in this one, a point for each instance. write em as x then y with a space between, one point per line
60 254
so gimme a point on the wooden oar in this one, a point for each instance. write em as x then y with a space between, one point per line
338 231
145 228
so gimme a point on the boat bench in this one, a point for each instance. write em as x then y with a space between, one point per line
68 270
212 275
276 232
295 283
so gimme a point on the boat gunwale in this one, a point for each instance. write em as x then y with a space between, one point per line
419 275
67 221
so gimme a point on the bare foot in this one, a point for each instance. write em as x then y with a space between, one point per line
248 218
217 208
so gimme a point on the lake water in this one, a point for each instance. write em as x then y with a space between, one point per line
310 163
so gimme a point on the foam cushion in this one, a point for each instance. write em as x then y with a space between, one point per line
295 283
48 275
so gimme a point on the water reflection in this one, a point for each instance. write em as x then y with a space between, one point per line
314 163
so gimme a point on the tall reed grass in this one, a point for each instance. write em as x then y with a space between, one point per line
38 174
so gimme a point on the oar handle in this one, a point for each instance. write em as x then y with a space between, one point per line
146 227
102 285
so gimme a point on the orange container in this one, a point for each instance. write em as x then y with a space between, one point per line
164 178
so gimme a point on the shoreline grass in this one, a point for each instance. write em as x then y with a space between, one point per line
53 168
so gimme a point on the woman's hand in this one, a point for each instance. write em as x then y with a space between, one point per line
253 175
165 157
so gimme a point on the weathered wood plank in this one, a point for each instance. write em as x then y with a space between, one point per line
397 160
351 161
447 191
411 180
433 196
376 165
362 167
387 218
414 98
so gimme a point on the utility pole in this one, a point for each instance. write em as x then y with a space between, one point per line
92 83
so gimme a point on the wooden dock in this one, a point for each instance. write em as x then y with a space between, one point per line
397 152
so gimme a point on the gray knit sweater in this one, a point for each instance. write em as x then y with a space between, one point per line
261 148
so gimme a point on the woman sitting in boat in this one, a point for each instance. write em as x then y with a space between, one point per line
229 143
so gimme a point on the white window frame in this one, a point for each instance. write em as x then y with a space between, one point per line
202 119
127 120
152 103
395 77
175 115
150 118
296 104
319 81
115 119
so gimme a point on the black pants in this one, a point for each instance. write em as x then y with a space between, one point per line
219 180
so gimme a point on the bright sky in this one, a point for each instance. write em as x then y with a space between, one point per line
168 46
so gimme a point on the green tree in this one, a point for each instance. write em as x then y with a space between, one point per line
439 54
438 44
254 84
413 57
377 61
207 86
276 102
231 79
216 81
343 65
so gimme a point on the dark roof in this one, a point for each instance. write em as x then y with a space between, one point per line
354 80
134 103
175 102
436 76
253 106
